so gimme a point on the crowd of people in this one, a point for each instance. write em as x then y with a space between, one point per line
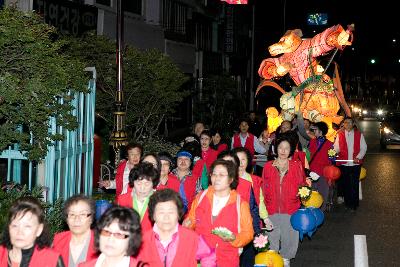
169 210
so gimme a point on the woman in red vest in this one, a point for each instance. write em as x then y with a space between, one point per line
319 147
169 244
117 238
121 182
26 238
77 244
281 180
219 210
143 178
167 165
217 144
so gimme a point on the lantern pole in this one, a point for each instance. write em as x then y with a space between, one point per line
119 136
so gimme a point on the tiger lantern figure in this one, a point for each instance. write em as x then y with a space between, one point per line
314 94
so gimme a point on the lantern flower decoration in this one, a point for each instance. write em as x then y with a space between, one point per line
261 242
222 232
304 192
332 154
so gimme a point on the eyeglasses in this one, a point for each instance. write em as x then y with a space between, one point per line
105 232
219 175
81 216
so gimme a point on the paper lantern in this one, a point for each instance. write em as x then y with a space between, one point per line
269 258
331 173
363 173
315 200
319 215
303 221
274 120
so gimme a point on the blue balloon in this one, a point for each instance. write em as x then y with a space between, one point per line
304 221
101 207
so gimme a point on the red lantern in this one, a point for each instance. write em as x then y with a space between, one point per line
331 172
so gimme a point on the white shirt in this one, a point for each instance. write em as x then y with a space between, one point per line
218 204
258 147
124 263
349 135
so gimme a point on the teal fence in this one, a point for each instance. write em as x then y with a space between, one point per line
68 166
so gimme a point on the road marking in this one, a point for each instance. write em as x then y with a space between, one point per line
360 251
360 191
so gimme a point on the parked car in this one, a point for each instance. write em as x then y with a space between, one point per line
390 130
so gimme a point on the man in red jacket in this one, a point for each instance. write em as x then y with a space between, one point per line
351 148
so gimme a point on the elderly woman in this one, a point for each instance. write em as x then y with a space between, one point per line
143 178
117 238
166 167
77 244
221 208
282 178
121 182
174 245
26 239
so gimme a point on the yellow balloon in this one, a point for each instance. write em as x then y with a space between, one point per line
363 173
314 201
270 258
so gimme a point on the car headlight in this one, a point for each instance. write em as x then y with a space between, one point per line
380 112
387 130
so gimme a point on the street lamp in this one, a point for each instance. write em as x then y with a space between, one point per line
119 136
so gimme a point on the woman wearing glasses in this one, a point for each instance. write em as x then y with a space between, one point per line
77 244
26 239
117 238
219 209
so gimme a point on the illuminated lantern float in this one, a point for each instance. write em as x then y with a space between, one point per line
314 96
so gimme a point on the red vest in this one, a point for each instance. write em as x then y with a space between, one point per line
171 184
227 255
282 197
185 253
45 257
300 156
249 143
61 245
126 200
119 178
321 159
133 263
189 186
343 146
257 185
244 189
222 147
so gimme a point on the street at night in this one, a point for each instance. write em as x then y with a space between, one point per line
376 218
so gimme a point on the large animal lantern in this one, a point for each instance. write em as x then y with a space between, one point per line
314 94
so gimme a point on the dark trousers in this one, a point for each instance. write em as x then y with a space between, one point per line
247 256
350 180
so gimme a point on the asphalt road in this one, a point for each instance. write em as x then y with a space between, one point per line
377 217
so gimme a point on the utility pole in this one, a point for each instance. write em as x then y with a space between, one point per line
119 136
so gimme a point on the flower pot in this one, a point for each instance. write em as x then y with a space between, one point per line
269 258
